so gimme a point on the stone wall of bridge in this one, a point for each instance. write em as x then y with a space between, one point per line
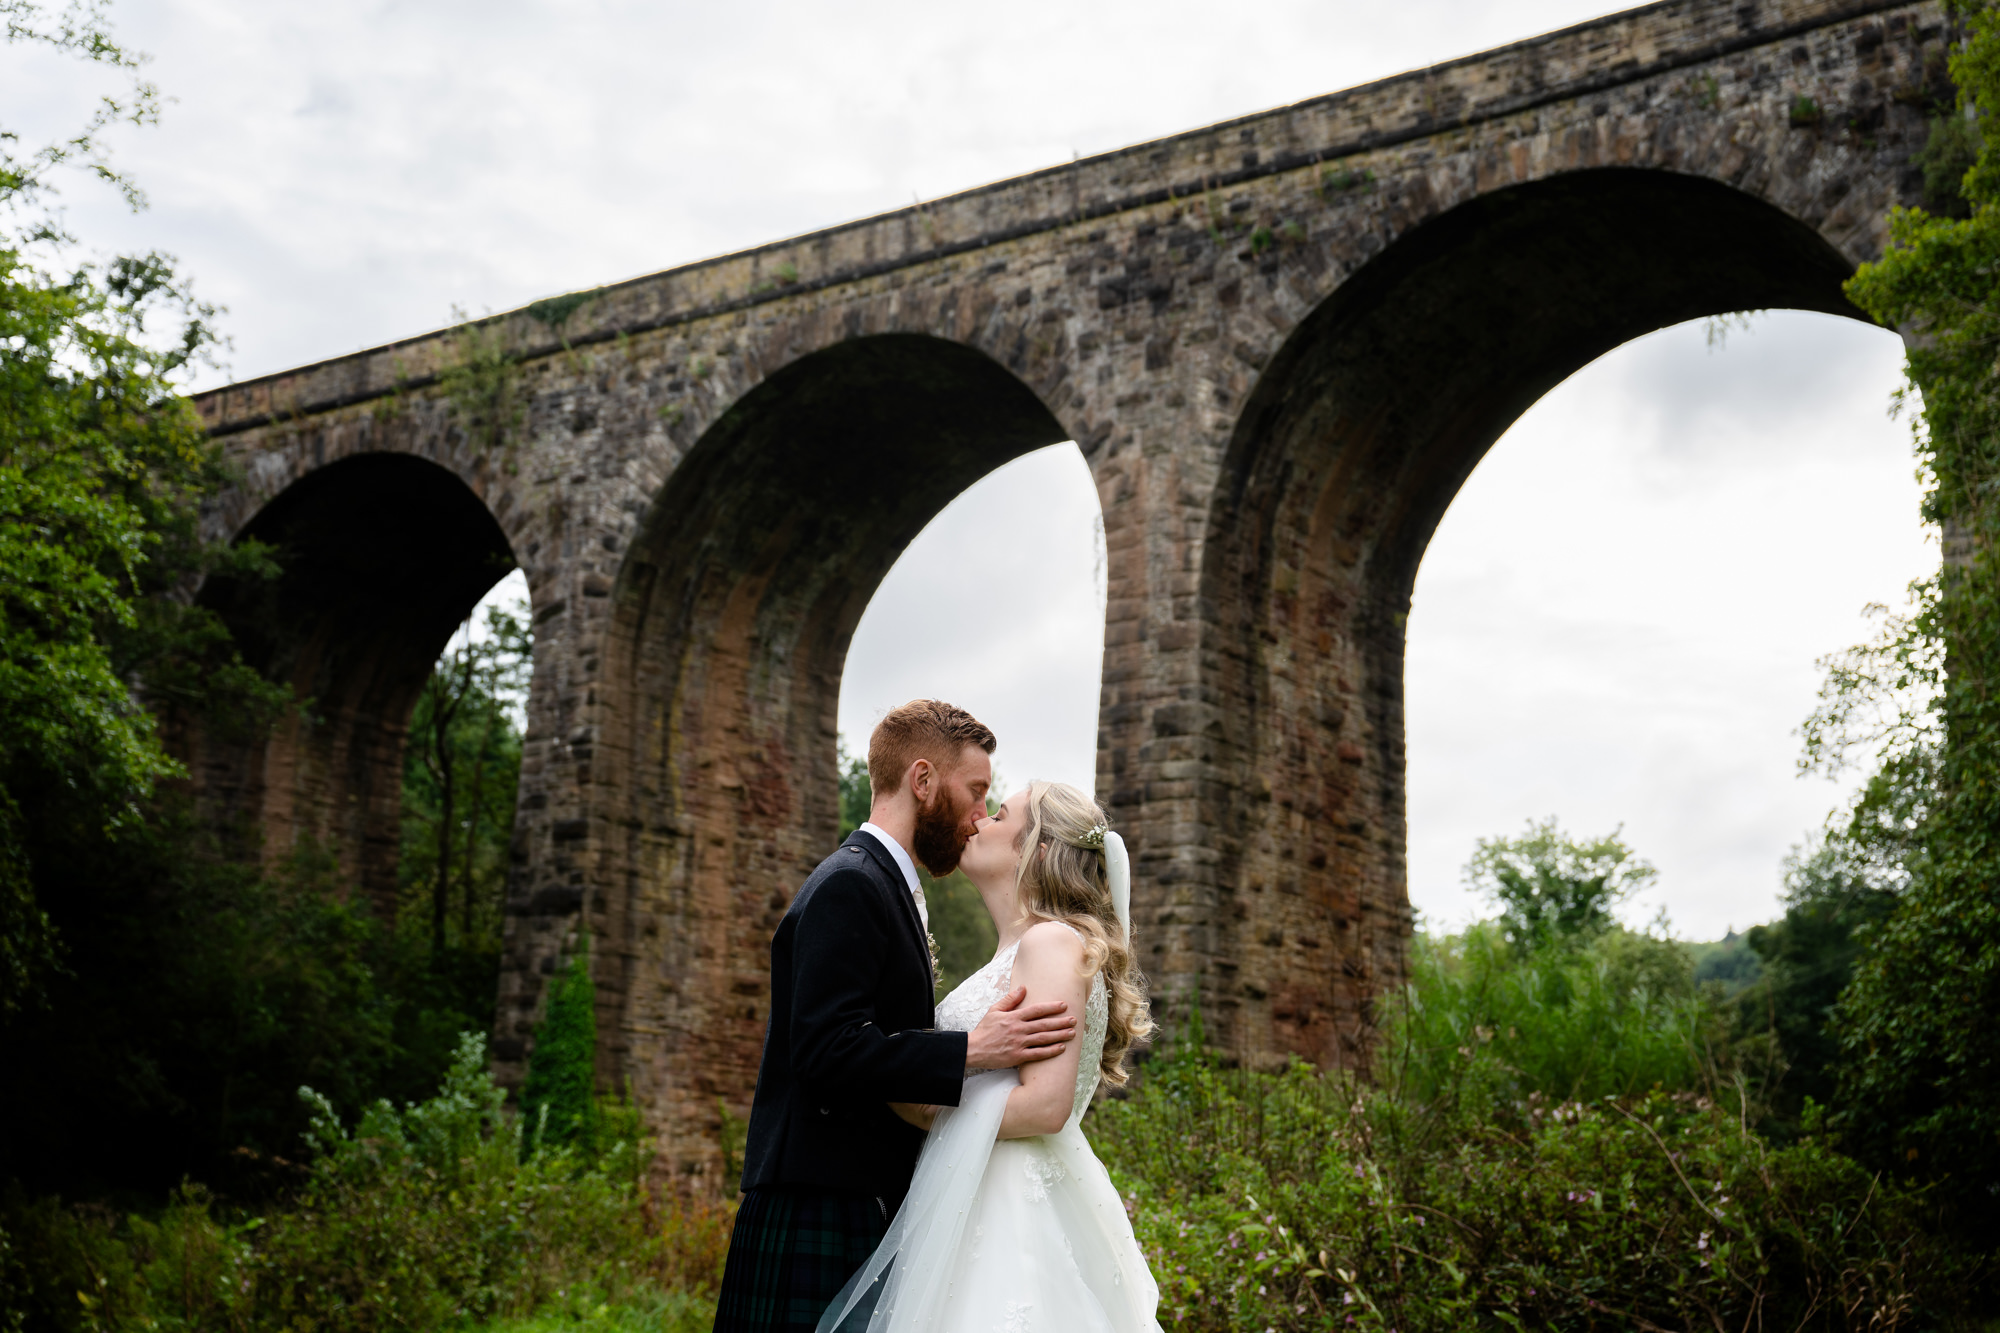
1281 342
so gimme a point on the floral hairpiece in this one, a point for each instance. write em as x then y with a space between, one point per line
1093 837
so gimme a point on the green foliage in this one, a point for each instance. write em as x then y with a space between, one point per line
1730 963
1339 180
1551 888
1832 900
420 1218
1303 1200
102 469
479 383
651 1312
79 31
554 312
146 992
559 1096
461 769
961 926
1919 1027
1485 1023
854 797
199 995
1948 153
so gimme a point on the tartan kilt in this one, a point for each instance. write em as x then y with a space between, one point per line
790 1253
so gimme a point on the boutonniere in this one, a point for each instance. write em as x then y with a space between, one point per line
931 940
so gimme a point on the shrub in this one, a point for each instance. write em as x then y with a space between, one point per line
559 1096
1484 1024
1307 1201
425 1217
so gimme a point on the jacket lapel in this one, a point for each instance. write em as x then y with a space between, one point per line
900 891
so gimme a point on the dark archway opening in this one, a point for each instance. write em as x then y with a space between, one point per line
719 717
1360 432
383 556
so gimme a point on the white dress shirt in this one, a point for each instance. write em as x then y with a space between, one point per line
909 871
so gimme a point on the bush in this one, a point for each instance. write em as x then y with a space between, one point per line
200 994
1484 1023
1308 1201
1833 902
559 1097
421 1218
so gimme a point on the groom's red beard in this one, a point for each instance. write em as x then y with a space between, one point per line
940 837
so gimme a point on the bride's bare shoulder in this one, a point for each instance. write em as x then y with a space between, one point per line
1051 941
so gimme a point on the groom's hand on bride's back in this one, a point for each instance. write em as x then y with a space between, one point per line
1014 1034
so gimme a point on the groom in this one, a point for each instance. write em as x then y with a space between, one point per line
827 1162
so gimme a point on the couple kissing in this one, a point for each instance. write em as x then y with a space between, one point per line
918 1166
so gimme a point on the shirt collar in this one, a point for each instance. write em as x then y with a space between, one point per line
909 867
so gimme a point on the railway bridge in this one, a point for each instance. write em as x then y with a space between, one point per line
1281 342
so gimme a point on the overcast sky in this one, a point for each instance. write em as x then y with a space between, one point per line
1616 624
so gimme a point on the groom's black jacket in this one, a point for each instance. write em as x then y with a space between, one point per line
850 1030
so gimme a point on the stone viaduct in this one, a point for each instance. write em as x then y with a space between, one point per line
1281 343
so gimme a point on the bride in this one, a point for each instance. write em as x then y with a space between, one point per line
1011 1224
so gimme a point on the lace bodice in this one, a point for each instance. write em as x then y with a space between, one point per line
968 1002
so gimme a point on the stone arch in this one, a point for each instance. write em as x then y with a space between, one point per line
713 734
383 555
1359 433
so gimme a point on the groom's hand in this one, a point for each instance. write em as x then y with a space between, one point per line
1013 1034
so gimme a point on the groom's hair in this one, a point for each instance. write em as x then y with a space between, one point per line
921 729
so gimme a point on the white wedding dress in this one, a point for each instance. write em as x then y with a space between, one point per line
1005 1236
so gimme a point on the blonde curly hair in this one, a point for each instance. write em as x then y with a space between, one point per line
1067 881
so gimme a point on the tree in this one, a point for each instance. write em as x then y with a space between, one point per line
855 798
1834 897
102 467
559 1096
461 773
1918 1074
1551 888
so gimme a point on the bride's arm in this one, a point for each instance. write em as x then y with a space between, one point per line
1050 965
